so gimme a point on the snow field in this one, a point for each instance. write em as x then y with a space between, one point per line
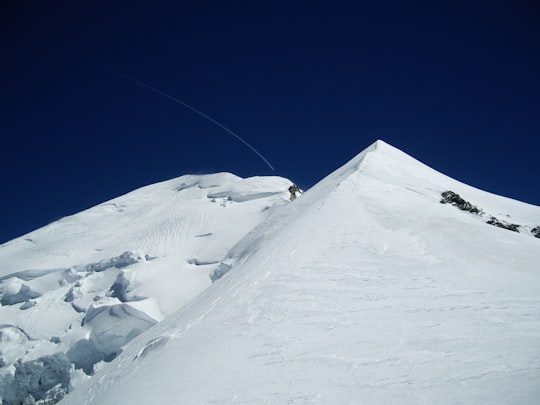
87 284
365 290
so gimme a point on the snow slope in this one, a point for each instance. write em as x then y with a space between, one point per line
74 292
365 290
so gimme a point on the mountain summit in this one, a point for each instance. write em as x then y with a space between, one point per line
381 284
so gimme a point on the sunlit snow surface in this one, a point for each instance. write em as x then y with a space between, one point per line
365 290
87 284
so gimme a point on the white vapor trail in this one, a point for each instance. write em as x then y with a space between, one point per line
186 105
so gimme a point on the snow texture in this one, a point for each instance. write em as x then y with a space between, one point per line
364 289
75 292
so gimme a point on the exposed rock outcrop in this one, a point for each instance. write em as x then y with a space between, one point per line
294 192
504 225
449 197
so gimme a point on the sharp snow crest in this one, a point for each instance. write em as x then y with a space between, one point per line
386 282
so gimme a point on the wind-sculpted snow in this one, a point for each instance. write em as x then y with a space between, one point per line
124 260
12 338
152 345
76 291
28 275
208 181
113 326
365 290
221 270
13 292
251 189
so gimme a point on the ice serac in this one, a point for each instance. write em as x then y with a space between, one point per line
73 293
366 290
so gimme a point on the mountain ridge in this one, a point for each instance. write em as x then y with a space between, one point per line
367 288
102 276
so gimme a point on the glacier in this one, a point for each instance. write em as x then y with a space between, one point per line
366 289
75 292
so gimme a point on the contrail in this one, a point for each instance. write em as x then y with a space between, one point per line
177 101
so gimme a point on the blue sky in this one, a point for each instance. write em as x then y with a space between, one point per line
307 84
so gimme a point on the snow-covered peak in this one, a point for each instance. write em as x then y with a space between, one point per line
387 282
367 289
383 165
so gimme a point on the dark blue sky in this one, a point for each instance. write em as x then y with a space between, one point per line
308 84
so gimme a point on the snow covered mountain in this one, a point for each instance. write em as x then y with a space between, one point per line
387 282
74 292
